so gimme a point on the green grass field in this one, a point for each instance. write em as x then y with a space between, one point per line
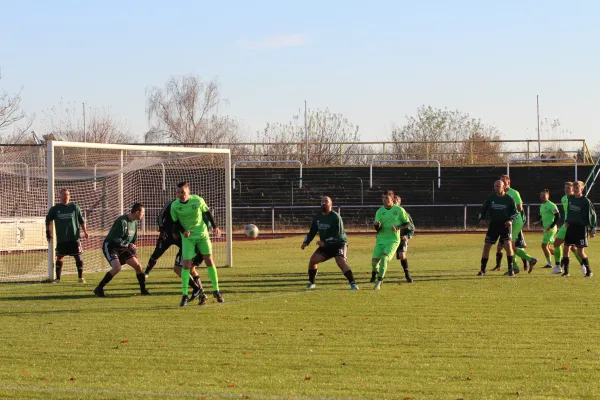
450 335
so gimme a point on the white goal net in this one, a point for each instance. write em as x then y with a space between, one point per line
104 181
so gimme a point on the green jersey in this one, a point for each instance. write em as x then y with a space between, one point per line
516 196
123 232
330 229
389 218
409 231
67 221
565 204
189 215
581 212
501 209
549 215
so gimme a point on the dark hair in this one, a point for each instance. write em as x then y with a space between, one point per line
546 191
505 178
136 207
388 193
183 184
63 190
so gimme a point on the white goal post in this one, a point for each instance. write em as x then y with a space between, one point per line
132 165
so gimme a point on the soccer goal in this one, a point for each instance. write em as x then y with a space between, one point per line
104 180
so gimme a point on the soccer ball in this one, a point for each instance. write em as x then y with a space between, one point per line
251 231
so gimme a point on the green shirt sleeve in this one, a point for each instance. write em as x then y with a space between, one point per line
314 228
593 217
51 215
80 216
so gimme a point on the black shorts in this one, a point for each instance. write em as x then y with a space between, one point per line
576 235
498 231
333 251
519 243
163 245
402 248
68 249
112 252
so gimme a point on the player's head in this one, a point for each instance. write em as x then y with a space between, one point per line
578 188
506 180
545 195
64 196
182 191
568 188
388 198
499 187
326 204
397 200
137 211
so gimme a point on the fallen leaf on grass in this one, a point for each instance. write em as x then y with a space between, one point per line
565 367
24 373
397 357
232 385
247 353
161 345
49 323
185 358
125 341
245 397
364 385
307 377
37 347
73 379
469 378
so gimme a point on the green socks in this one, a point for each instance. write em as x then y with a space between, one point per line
214 277
558 253
383 264
185 281
548 260
574 251
374 265
521 253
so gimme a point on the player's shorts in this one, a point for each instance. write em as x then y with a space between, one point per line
497 231
561 233
68 249
191 243
163 245
388 248
576 236
328 252
548 237
402 248
112 252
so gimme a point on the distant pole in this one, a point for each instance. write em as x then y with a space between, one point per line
84 136
306 131
538 126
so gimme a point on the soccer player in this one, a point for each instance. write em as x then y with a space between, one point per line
519 244
333 243
389 220
67 220
186 213
167 237
405 235
119 248
581 219
549 216
517 225
503 212
560 236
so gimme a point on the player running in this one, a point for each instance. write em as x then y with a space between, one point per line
405 235
187 212
581 220
67 220
389 220
333 243
503 212
549 217
560 236
119 248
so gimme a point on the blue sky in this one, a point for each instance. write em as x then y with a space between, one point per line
373 61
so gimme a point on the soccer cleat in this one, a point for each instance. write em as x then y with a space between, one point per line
409 279
377 285
81 280
354 286
311 286
217 295
145 292
496 269
589 274
511 272
202 299
565 275
556 270
481 273
583 270
548 266
146 275
56 281
98 291
184 301
516 270
532 264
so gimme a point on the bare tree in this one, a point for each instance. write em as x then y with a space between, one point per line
443 134
67 123
331 137
14 123
186 110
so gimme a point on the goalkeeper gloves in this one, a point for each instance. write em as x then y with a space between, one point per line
377 226
48 234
